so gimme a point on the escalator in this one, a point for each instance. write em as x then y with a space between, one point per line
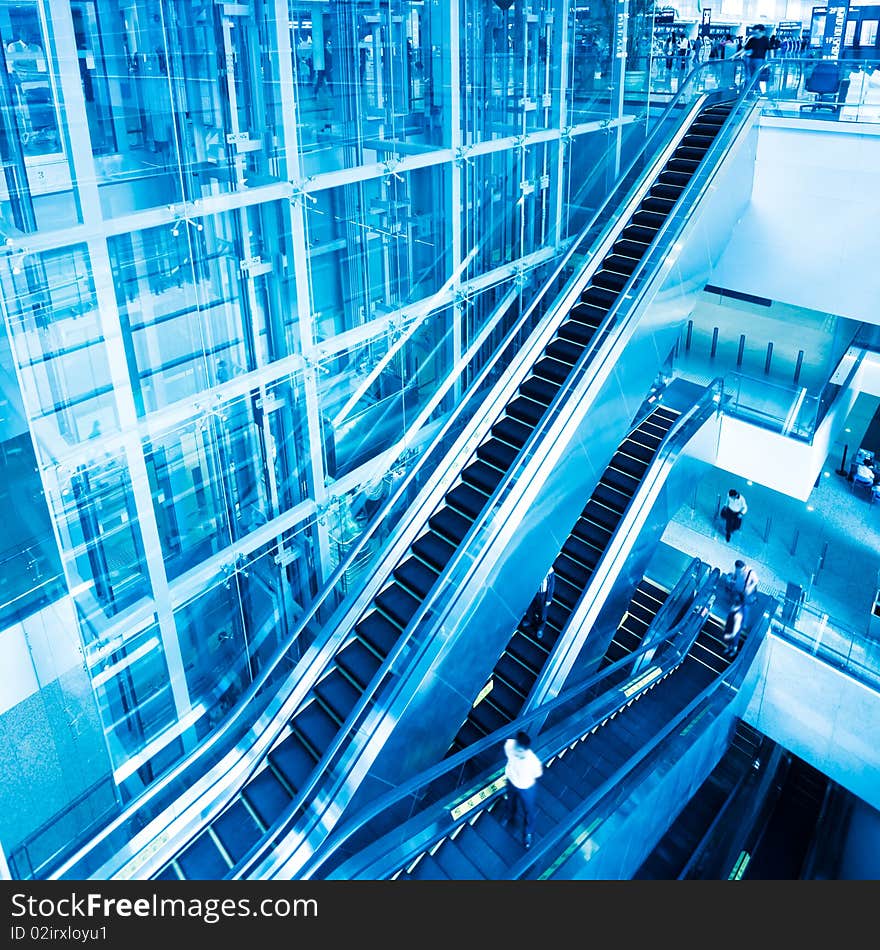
588 746
784 842
677 854
486 848
272 789
524 657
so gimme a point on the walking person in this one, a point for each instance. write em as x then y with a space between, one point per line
733 627
733 512
522 771
537 613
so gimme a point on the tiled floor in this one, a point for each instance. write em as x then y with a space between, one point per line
829 546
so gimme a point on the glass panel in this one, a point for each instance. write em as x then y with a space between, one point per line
36 190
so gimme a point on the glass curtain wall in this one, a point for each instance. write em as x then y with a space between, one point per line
243 245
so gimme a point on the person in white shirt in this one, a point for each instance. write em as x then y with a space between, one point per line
522 771
733 512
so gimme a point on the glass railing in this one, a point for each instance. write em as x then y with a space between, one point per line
427 806
855 99
268 697
852 652
791 411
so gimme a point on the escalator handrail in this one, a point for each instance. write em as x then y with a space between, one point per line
603 217
562 737
552 842
680 640
626 533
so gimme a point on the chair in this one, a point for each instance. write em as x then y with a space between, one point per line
824 83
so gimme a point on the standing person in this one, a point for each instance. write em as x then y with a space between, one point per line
733 512
537 614
755 49
733 627
522 771
743 582
728 47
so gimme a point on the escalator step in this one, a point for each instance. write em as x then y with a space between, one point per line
505 696
358 661
706 130
433 549
641 612
551 370
528 652
637 232
449 524
468 500
202 860
237 830
267 796
572 571
647 437
397 604
671 176
512 431
501 840
498 453
378 632
599 296
293 761
620 481
337 692
316 726
491 865
168 873
539 390
428 870
579 333
648 219
455 863
606 518
628 464
633 249
631 447
526 410
588 314
595 534
487 717
693 139
688 153
616 651
559 612
564 350
468 733
522 677
657 205
611 497
669 192
553 806
585 555
620 264
686 166
609 279
417 576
